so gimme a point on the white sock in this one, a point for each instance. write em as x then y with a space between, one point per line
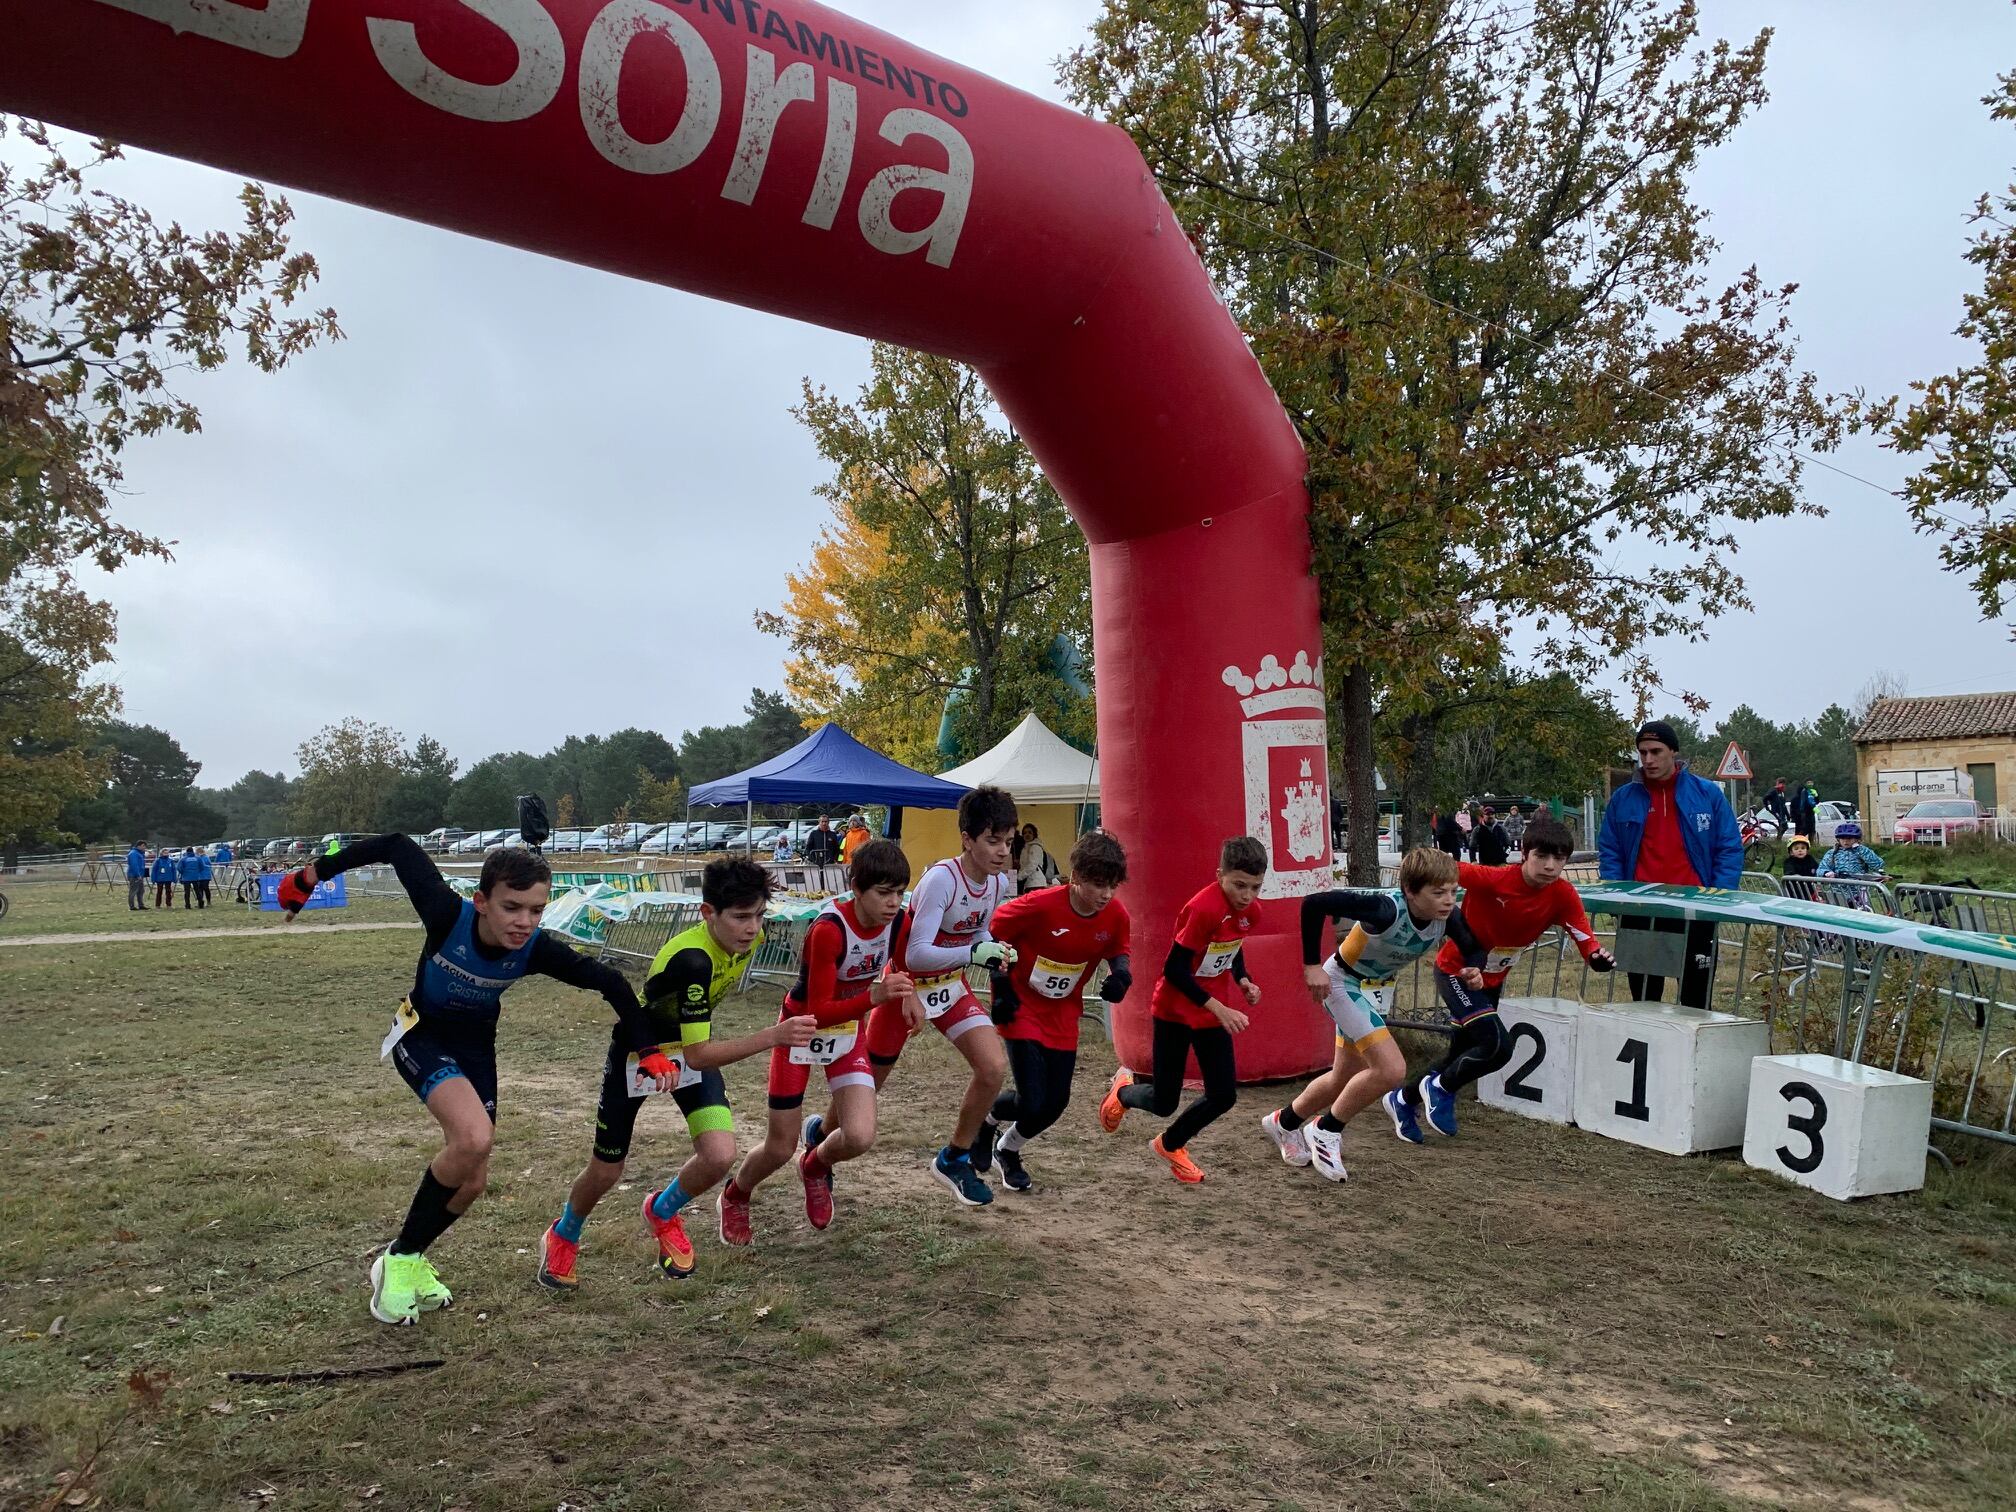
1012 1141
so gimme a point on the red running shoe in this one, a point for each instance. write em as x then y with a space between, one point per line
556 1261
818 1181
734 1210
675 1250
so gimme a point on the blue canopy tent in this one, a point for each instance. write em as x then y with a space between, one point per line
828 766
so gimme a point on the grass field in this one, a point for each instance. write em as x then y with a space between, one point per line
64 908
204 1151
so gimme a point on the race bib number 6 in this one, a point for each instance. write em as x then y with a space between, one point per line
643 1085
1055 979
1501 960
827 1046
940 993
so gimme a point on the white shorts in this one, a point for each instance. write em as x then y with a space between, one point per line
1353 1006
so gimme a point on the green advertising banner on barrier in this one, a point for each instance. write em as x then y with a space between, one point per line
1660 901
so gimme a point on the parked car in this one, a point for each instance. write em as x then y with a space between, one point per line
476 844
666 838
1935 819
566 841
336 840
1827 816
624 837
441 839
281 846
707 837
762 839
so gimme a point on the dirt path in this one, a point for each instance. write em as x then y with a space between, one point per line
190 934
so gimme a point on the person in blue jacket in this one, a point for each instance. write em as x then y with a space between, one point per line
136 878
204 874
190 869
163 873
1667 825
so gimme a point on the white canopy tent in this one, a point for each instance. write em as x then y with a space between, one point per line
1033 763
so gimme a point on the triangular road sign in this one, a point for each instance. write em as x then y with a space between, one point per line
1735 765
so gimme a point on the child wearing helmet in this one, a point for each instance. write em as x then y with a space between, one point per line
1850 857
1799 860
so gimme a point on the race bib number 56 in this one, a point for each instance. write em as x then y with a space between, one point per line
1055 979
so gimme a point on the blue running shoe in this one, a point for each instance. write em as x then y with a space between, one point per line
1404 1123
815 1131
960 1179
983 1146
1440 1106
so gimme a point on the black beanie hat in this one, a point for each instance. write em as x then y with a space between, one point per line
1659 730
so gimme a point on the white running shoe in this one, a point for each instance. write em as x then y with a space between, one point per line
1326 1153
1294 1149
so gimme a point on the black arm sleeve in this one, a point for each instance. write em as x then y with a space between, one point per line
1181 970
438 904
1474 954
1372 909
1119 978
551 958
1239 972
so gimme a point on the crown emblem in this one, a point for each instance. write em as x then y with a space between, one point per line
1305 813
1273 686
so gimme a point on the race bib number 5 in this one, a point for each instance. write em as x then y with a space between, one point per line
1055 979
827 1046
643 1085
403 1019
941 992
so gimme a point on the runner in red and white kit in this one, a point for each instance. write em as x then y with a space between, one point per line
846 973
949 913
1060 935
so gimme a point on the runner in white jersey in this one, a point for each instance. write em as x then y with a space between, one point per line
948 933
1354 984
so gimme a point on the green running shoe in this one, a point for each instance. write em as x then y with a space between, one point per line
395 1281
429 1289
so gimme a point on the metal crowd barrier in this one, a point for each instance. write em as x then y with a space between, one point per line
1857 983
1957 907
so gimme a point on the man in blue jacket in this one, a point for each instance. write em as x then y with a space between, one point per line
136 878
163 872
190 869
1667 825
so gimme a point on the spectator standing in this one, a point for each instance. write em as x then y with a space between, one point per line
781 851
1448 835
204 874
1489 844
1805 809
856 837
1667 825
822 846
1778 804
163 873
189 869
136 878
1515 828
1034 869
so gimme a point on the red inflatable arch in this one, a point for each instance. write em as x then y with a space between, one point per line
783 156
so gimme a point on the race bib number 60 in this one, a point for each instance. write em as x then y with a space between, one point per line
940 993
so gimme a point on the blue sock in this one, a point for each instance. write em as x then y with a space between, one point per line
569 1226
668 1202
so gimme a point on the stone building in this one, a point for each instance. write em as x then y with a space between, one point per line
1972 732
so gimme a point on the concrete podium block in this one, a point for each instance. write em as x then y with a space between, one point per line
1539 1080
1844 1130
1668 1078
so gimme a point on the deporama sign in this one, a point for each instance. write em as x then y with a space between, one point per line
628 40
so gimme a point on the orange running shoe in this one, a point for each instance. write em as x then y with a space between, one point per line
1112 1110
675 1250
556 1261
1181 1166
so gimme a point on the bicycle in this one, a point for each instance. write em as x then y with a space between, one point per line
3 906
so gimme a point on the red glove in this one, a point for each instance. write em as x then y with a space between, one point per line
655 1063
296 890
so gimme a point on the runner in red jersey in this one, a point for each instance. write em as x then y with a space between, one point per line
1060 935
948 933
1507 909
848 949
1192 1008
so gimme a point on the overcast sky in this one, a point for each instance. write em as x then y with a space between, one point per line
623 452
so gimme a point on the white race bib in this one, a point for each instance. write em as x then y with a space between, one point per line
1218 958
939 993
1501 960
1055 979
403 1019
642 1084
827 1046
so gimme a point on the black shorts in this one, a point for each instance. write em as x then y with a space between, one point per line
431 1053
1466 1003
705 1105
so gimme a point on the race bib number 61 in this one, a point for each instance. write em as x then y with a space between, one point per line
827 1046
